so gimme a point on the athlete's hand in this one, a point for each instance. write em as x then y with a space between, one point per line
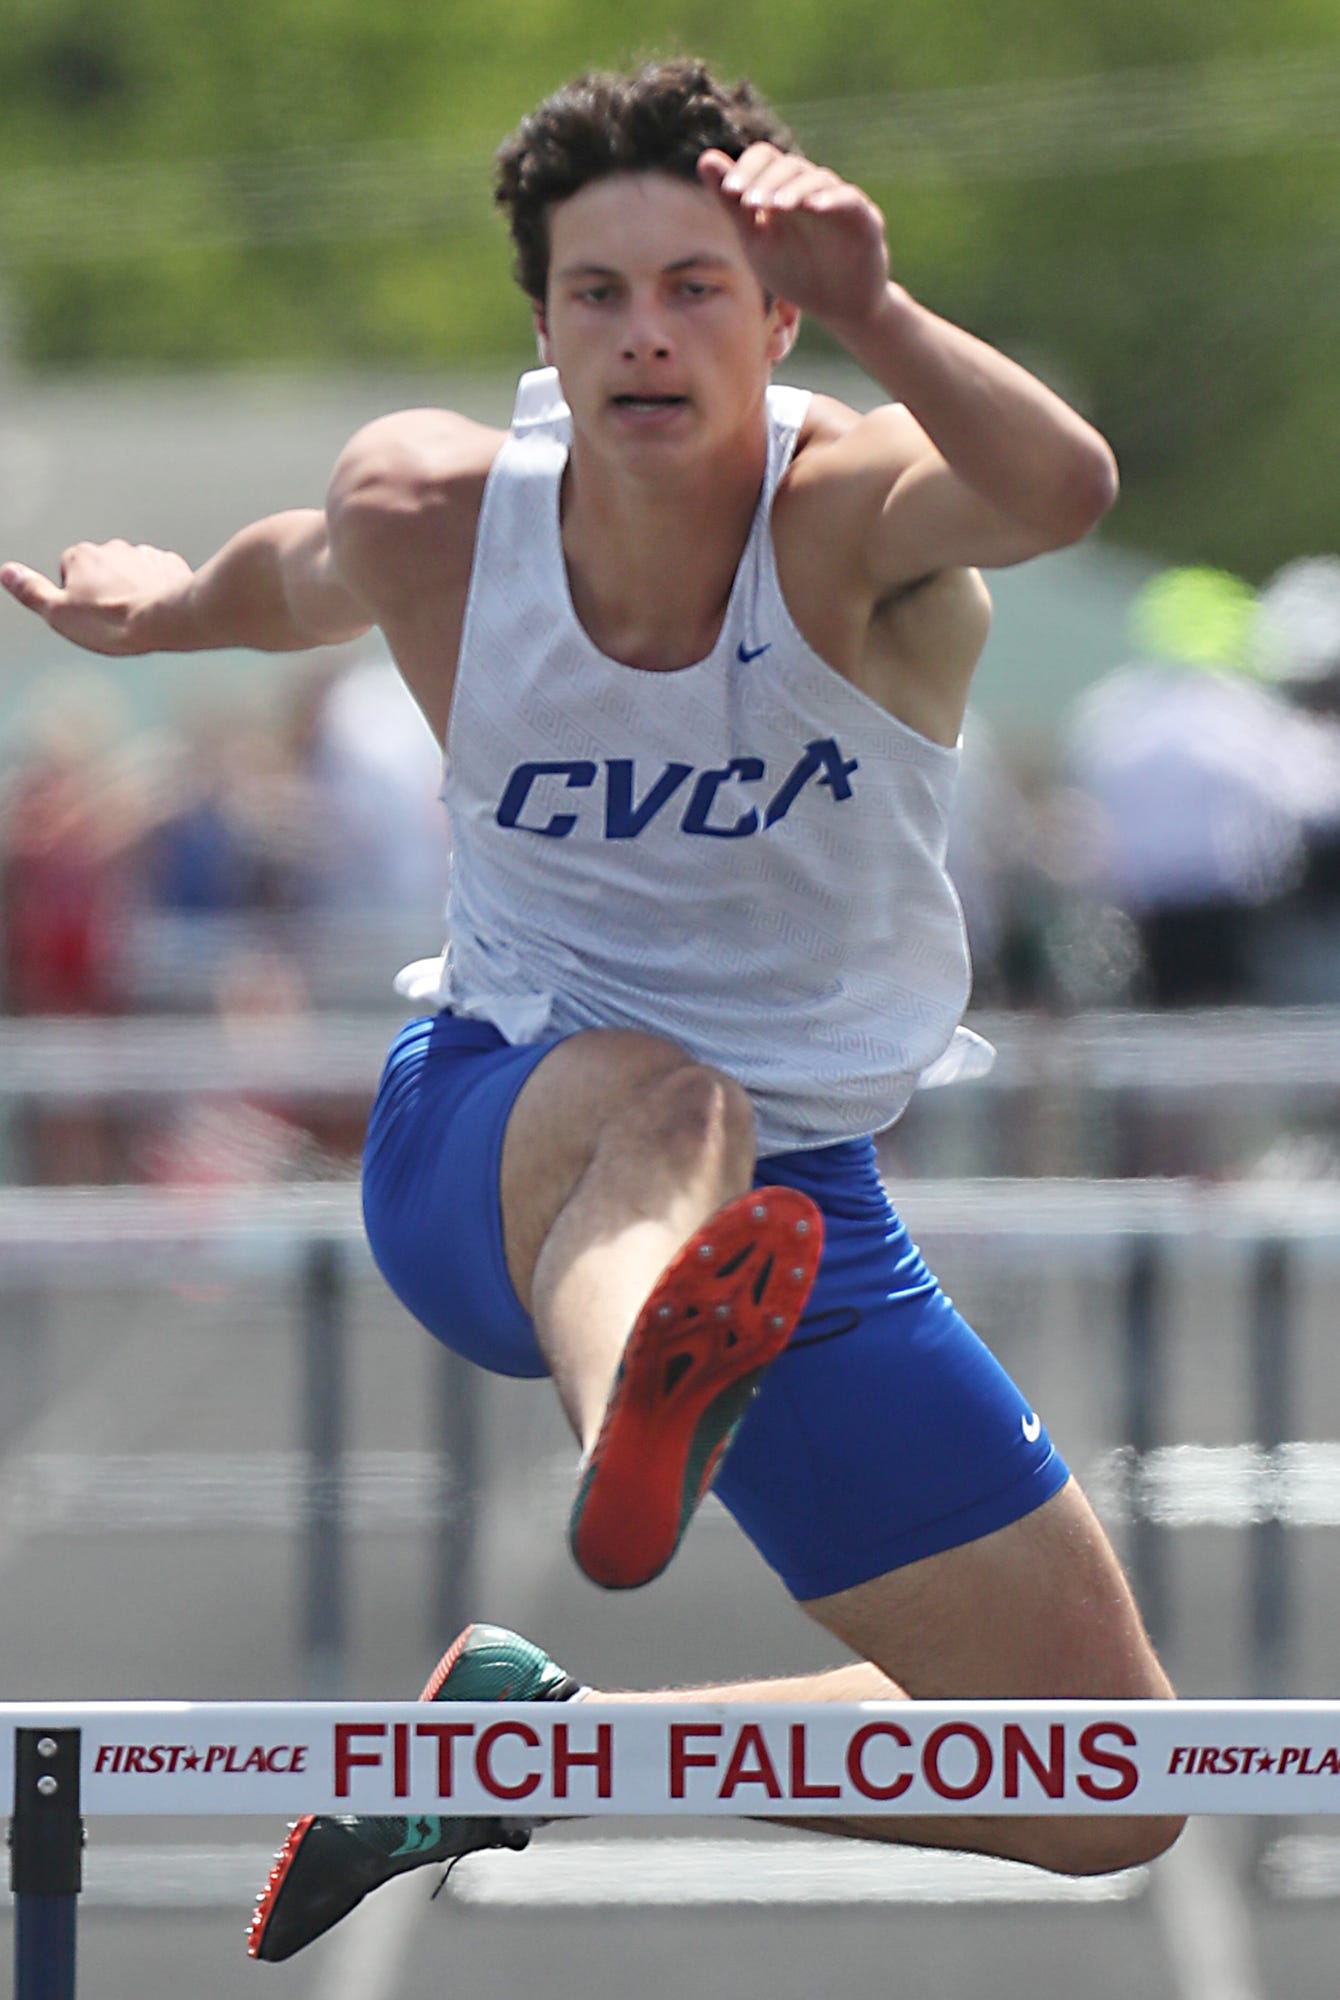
107 597
811 238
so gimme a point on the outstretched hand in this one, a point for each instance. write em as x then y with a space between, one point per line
810 237
105 591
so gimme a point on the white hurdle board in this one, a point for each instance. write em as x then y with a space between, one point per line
578 1760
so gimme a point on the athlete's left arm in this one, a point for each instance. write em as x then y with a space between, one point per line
983 466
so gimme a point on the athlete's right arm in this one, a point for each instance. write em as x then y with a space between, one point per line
273 587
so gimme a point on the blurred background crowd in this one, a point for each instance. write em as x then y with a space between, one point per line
1174 842
181 866
1179 845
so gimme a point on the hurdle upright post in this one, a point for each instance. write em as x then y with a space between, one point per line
1143 1396
1272 1598
325 1400
46 1838
460 1457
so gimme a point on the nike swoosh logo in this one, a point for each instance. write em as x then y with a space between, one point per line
1031 1426
744 654
815 1327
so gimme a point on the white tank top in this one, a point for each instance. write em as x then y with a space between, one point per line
745 856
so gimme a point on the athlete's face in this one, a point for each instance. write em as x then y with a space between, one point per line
659 329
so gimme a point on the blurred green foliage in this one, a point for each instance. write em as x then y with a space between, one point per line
307 182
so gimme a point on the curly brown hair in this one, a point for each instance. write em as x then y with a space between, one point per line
657 119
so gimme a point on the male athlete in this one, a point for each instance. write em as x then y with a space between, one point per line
697 650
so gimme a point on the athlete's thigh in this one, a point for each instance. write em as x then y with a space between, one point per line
555 1124
430 1186
1039 1608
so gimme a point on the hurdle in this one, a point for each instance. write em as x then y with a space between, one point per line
922 1759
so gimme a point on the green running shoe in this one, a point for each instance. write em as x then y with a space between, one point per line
330 1862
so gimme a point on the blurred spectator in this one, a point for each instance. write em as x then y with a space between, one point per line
70 817
243 1138
1022 855
1208 783
335 796
1297 631
987 857
202 856
72 812
311 829
375 771
1298 642
242 862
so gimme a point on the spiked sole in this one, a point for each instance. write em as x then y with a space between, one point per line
265 1939
265 1933
719 1313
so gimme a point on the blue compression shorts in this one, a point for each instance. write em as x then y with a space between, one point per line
886 1432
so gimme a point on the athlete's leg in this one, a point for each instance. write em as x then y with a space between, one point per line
618 1146
1037 1610
658 1285
543 1210
910 1498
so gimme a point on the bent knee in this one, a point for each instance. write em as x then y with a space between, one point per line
1097 1846
702 1110
630 1057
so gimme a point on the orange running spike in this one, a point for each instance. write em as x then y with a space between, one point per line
719 1313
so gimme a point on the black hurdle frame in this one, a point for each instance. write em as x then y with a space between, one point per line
46 1851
